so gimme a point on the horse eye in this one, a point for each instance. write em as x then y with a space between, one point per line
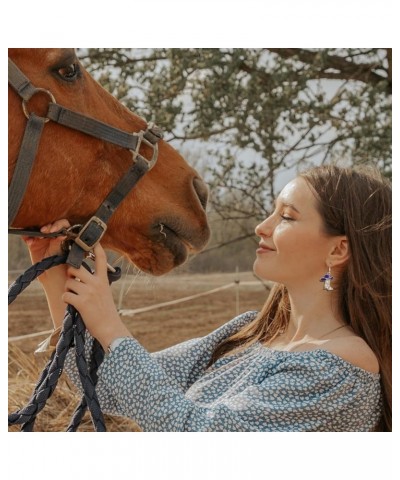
70 72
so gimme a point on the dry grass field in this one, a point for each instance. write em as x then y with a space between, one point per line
155 329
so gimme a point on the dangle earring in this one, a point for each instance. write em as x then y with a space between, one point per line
327 280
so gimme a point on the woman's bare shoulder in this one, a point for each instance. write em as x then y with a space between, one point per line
355 350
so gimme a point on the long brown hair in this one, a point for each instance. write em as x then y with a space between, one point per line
356 203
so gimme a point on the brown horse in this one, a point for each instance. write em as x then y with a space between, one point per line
74 172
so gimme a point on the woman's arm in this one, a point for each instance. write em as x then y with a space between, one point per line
52 280
318 393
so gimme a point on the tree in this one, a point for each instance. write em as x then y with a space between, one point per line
258 113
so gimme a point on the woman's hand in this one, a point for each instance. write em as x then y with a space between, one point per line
91 295
40 248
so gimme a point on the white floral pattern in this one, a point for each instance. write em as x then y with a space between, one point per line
257 390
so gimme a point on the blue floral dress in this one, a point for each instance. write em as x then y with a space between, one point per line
256 390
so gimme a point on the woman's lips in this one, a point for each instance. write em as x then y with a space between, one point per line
264 249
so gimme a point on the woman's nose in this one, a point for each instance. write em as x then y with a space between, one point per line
265 228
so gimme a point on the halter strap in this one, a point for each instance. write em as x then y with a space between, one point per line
94 229
24 165
19 81
92 232
77 121
95 128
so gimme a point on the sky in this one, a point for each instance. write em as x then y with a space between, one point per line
185 23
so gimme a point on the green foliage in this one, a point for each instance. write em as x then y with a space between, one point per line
258 113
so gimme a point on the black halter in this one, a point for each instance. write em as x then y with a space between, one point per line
90 233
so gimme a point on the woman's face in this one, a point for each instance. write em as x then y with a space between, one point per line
293 247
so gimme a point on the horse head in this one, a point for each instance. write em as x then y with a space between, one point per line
158 224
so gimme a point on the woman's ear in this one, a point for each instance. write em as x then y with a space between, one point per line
340 251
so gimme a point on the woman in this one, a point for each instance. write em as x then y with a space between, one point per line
316 358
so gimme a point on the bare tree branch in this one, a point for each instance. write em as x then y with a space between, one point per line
363 72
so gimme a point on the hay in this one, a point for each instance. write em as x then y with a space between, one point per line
23 373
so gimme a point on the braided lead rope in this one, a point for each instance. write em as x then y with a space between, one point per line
88 385
33 272
74 325
28 426
73 331
96 359
48 380
15 289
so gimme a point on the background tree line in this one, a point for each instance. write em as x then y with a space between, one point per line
249 119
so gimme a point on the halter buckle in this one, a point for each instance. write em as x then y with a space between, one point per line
91 233
155 134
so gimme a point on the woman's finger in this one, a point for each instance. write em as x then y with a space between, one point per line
46 228
75 286
71 298
56 226
59 224
80 273
28 240
100 261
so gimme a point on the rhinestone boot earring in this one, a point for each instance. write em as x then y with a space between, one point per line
327 280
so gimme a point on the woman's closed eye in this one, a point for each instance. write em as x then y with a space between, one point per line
285 217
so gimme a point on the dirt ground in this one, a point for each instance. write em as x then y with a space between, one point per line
158 328
155 330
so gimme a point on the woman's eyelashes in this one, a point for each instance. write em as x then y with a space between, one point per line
286 217
283 215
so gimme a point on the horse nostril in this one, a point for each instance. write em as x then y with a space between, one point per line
202 191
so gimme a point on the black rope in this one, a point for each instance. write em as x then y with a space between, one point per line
97 357
72 334
33 272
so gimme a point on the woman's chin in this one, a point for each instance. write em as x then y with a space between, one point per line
257 270
261 273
